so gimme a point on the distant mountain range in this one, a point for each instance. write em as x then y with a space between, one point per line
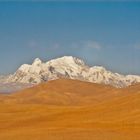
67 67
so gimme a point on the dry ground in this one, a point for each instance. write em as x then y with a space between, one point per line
71 110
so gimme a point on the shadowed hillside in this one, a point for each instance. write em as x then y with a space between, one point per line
71 110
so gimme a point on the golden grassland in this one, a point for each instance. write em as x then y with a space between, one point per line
71 110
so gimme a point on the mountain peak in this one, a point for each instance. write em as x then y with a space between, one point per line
37 62
98 68
67 61
71 60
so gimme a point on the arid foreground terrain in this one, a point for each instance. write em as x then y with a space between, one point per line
71 110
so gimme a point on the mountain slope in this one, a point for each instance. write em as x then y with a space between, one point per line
71 68
73 110
64 92
70 92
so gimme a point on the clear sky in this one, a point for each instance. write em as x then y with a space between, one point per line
101 33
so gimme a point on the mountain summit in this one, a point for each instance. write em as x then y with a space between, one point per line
37 61
71 68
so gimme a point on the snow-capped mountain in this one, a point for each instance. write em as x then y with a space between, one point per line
69 67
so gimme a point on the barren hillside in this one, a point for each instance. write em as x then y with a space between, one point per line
71 110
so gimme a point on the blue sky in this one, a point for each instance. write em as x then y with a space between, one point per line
101 33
